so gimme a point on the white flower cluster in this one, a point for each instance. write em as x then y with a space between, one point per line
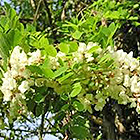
17 70
125 79
121 83
127 61
83 52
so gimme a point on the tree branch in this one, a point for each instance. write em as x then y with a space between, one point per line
41 127
36 13
48 11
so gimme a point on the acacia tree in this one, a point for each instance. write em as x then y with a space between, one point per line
63 73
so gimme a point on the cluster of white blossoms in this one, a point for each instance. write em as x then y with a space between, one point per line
13 83
83 52
125 79
121 83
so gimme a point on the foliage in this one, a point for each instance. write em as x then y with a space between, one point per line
71 73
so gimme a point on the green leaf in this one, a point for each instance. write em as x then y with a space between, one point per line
112 14
133 18
77 85
59 71
60 80
80 120
135 6
30 28
20 27
78 106
4 49
80 132
46 63
3 23
104 58
31 105
64 97
99 137
105 31
43 42
14 37
35 69
94 49
77 89
74 26
12 13
48 72
136 23
112 27
65 107
50 49
73 46
98 108
77 34
64 47
39 98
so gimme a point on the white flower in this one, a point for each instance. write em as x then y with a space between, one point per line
134 80
135 86
61 55
54 62
35 57
14 59
7 94
82 47
89 57
18 57
110 49
118 77
78 57
23 59
7 74
24 86
134 64
99 50
15 71
126 80
9 83
138 69
138 100
120 55
122 93
130 55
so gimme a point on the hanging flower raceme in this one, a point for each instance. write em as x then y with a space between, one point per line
105 73
12 81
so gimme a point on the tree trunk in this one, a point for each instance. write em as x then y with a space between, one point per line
108 124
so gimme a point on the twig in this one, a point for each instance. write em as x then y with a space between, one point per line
21 130
35 16
48 11
41 127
